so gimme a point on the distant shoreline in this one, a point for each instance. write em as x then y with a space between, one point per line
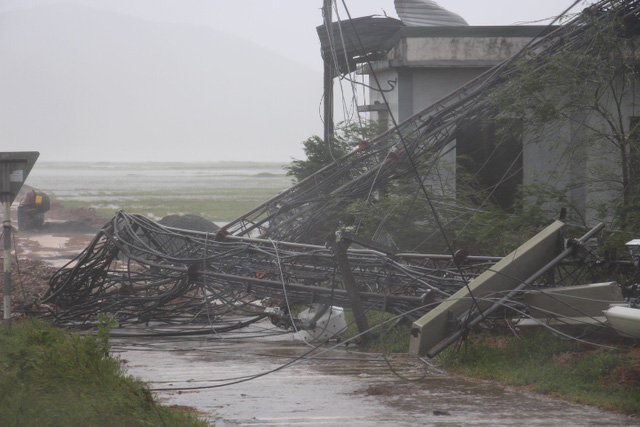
223 163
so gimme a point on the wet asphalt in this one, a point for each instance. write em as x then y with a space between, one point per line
261 377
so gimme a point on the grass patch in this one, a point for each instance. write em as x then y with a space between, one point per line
391 336
541 362
49 376
218 206
219 192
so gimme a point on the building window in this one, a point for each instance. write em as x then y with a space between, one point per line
490 163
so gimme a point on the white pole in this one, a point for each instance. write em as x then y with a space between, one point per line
6 228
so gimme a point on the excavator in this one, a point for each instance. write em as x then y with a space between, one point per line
31 210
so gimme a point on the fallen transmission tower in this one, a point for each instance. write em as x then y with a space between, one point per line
141 271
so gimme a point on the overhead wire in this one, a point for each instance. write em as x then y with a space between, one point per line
412 163
142 271
466 94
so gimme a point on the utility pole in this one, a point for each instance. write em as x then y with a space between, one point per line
328 74
14 168
6 232
340 246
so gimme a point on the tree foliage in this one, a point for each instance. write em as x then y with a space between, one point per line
320 154
579 102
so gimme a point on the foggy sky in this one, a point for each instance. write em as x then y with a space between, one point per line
184 80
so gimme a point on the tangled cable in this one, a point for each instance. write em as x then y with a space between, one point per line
141 271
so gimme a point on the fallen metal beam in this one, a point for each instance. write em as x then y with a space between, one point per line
501 301
573 301
506 275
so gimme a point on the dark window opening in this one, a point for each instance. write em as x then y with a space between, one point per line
489 162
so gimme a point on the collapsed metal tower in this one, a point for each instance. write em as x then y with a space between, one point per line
142 271
276 254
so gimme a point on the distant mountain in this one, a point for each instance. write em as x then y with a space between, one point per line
82 84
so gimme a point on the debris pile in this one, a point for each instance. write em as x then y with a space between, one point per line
140 270
277 254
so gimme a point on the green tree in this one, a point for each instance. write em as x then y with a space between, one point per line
320 154
578 97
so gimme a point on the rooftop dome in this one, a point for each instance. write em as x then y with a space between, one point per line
426 13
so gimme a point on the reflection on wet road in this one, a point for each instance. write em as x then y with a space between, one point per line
338 386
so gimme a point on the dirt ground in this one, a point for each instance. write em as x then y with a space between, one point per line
38 254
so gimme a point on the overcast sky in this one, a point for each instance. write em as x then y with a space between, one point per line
288 26
57 115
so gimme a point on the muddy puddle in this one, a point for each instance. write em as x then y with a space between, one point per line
55 249
260 377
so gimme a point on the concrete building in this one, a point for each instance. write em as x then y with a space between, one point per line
423 64
412 68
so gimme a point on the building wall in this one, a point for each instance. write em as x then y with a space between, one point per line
417 88
428 63
432 84
460 49
426 68
579 159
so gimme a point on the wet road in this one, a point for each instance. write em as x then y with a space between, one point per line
241 379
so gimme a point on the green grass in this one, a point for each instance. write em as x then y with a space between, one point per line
52 377
219 192
543 363
223 211
390 336
221 205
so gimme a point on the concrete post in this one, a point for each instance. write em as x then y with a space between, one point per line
6 231
340 249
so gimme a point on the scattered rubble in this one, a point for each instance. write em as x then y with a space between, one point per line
38 254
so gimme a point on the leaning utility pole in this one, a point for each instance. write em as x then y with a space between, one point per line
328 74
14 169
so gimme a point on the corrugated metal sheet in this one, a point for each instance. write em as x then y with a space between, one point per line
347 36
426 13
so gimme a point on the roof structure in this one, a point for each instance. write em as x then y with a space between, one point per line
360 40
427 13
356 41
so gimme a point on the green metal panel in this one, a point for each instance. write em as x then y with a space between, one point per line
507 274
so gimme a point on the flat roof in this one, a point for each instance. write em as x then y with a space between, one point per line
529 31
478 31
369 37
